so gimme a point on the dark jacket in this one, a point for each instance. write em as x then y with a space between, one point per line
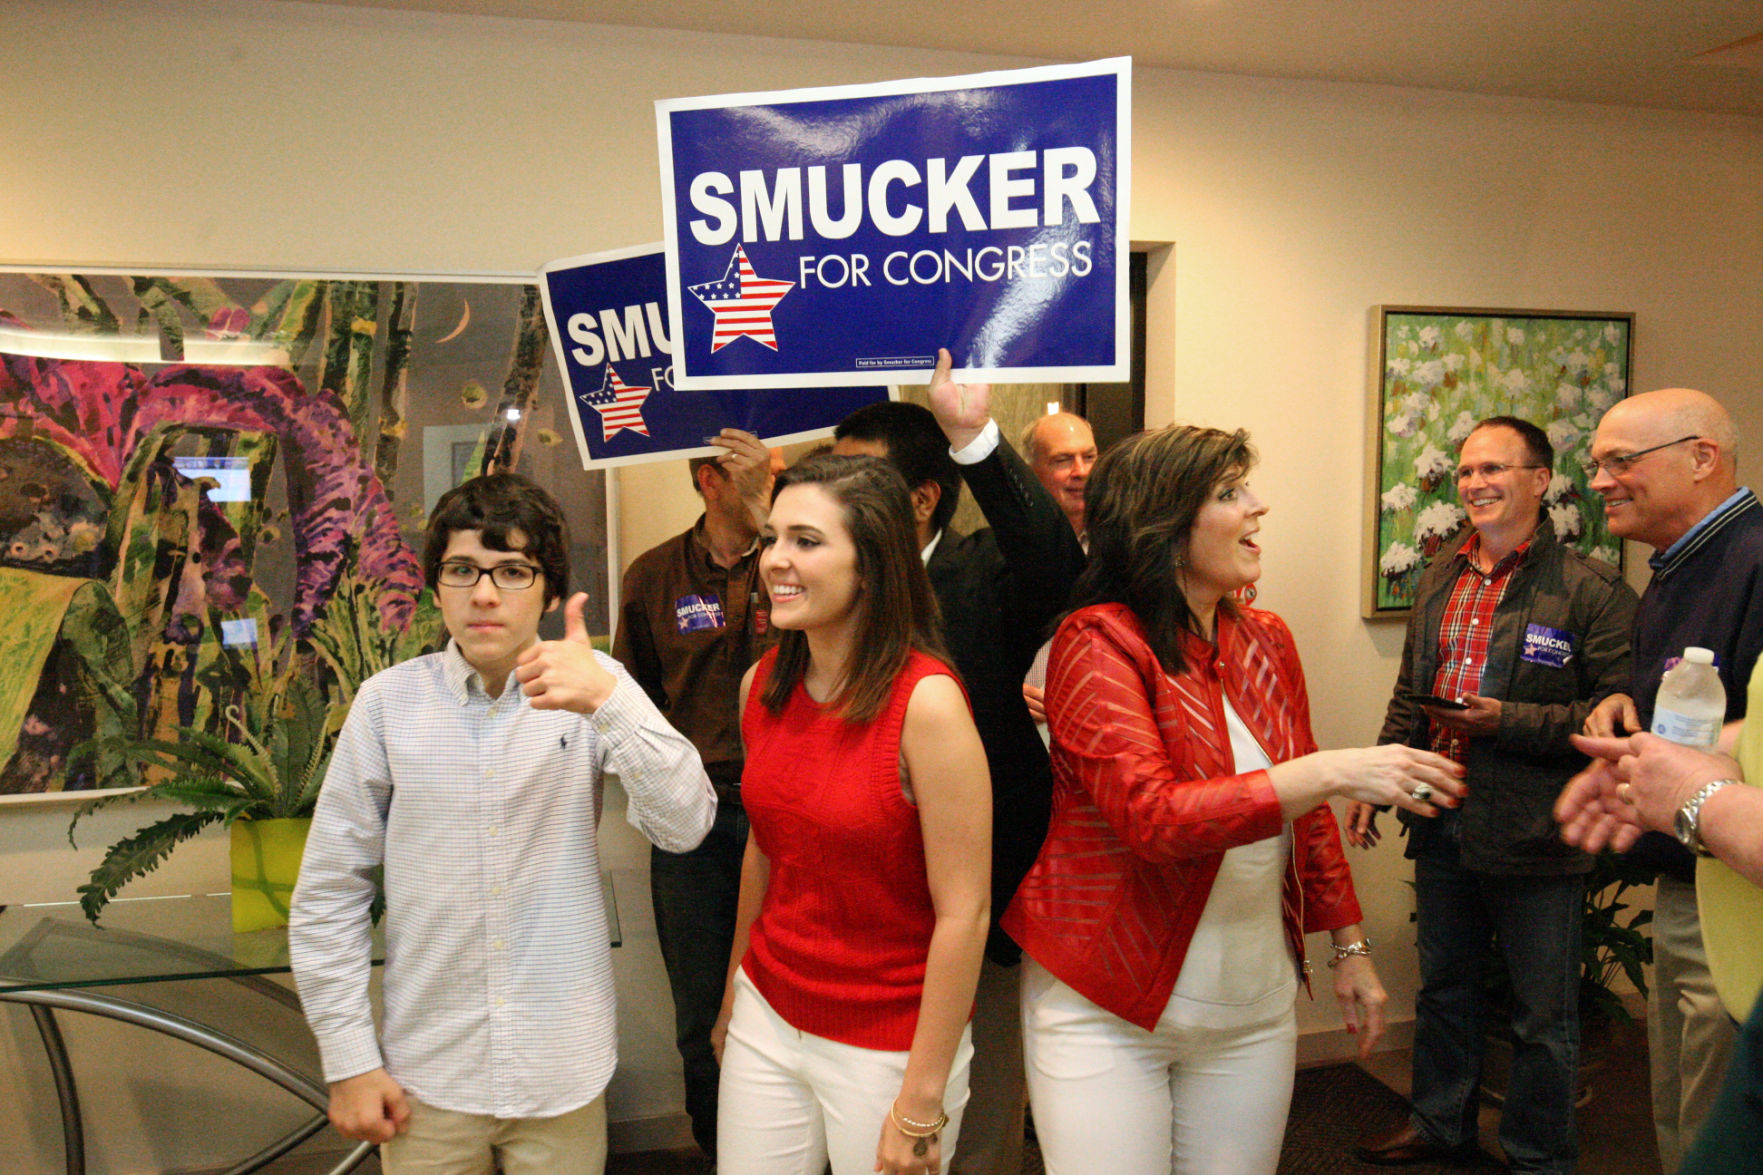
1514 777
999 589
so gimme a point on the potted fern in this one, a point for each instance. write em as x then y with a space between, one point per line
262 783
260 775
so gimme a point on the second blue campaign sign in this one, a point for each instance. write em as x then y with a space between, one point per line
839 236
615 344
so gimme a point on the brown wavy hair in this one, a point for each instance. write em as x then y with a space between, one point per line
1139 508
896 611
498 504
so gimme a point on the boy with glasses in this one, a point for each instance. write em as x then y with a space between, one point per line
473 776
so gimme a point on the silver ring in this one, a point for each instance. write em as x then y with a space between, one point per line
1422 792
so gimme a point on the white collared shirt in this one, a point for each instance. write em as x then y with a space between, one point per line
930 548
498 978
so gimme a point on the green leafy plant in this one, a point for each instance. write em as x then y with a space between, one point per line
1610 944
283 731
354 643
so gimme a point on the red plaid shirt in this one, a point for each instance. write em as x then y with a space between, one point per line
1463 636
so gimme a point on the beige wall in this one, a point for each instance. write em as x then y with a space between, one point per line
249 133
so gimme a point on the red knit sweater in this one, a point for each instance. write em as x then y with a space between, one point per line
839 946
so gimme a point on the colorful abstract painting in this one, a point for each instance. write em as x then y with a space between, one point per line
1440 371
208 482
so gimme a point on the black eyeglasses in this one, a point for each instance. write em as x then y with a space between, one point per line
510 577
1489 469
1618 465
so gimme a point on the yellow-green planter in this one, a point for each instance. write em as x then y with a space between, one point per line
266 863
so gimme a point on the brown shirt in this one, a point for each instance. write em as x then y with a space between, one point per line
687 631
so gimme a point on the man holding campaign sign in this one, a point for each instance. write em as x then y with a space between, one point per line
812 234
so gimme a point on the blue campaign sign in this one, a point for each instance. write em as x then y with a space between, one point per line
841 235
615 340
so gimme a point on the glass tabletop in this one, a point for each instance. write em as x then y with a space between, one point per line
139 940
152 940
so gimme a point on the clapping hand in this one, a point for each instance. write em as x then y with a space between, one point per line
1633 784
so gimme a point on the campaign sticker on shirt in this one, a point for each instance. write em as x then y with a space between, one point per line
698 613
1547 646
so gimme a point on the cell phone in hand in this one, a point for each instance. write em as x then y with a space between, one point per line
1435 700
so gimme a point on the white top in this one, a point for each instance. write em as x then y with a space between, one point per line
498 976
1239 967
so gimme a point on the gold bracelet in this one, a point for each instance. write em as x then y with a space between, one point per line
913 1129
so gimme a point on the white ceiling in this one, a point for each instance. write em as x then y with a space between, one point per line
1679 54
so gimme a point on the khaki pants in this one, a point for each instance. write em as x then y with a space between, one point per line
1689 1034
444 1142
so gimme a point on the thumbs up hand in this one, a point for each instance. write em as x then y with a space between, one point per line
565 674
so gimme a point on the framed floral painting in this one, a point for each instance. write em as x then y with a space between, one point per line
1440 370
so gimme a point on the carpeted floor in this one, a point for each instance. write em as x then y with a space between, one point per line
1335 1106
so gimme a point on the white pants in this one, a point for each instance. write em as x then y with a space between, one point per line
790 1101
1110 1098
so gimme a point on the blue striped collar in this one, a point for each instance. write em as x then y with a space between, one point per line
1711 523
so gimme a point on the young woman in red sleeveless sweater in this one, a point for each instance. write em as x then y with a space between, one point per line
1191 845
865 889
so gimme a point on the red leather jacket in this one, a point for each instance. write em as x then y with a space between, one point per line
1145 803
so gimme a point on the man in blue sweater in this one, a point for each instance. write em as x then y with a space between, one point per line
1666 465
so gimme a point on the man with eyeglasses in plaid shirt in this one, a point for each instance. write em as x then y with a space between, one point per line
1513 636
1666 463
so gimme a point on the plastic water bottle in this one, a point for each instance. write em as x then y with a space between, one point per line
1691 707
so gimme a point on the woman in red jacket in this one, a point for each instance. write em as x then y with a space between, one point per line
1191 845
865 891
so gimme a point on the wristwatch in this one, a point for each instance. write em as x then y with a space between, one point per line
1688 823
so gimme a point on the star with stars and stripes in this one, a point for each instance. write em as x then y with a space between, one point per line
620 407
742 303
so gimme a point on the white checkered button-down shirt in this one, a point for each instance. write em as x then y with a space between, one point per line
498 978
